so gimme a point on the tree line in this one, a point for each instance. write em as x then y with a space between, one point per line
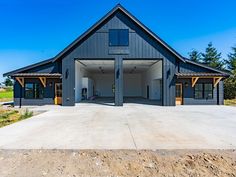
213 58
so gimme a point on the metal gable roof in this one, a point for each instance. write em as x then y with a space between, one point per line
207 67
28 67
110 13
53 75
200 74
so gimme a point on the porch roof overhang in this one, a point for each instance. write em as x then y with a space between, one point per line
30 75
217 77
20 77
201 75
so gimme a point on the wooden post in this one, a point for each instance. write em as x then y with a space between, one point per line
22 83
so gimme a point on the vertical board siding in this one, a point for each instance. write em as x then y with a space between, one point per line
221 92
141 46
188 93
68 84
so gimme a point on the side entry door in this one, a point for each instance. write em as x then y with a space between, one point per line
178 94
58 94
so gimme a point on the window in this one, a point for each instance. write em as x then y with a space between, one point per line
178 90
198 91
118 37
203 91
208 91
29 90
33 91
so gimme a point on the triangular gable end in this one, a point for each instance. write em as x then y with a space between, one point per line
106 18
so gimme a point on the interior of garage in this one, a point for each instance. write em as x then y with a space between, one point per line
142 81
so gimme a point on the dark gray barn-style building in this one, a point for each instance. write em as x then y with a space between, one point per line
119 60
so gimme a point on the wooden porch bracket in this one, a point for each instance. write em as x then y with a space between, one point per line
194 81
216 80
43 81
21 80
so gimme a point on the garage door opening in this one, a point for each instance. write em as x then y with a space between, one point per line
142 81
94 81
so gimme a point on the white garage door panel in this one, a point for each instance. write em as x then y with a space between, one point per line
132 85
103 84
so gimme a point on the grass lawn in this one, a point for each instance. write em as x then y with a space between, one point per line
6 95
230 102
9 116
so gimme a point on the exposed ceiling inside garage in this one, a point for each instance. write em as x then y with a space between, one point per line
107 66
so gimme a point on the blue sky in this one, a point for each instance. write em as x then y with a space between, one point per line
31 31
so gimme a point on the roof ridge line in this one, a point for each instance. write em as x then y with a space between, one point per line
127 13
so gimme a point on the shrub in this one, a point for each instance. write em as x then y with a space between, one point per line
26 114
9 89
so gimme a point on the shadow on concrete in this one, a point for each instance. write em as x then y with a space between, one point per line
110 101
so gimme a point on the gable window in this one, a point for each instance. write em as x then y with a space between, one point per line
118 37
203 91
33 91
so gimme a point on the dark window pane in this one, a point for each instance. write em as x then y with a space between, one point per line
113 38
203 91
198 94
199 87
118 37
208 91
208 86
198 91
33 91
29 90
178 91
208 94
124 37
38 91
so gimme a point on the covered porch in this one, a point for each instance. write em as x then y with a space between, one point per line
37 88
199 88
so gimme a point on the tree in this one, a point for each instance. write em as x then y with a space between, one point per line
230 83
194 55
231 62
8 82
230 87
211 57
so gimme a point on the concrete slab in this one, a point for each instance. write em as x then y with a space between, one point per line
134 126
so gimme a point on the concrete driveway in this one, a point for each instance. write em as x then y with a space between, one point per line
134 126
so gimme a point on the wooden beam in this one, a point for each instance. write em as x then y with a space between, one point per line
21 81
43 81
194 81
216 80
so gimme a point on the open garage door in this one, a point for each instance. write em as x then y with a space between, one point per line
95 81
142 81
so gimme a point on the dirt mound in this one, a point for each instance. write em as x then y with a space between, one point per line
55 163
